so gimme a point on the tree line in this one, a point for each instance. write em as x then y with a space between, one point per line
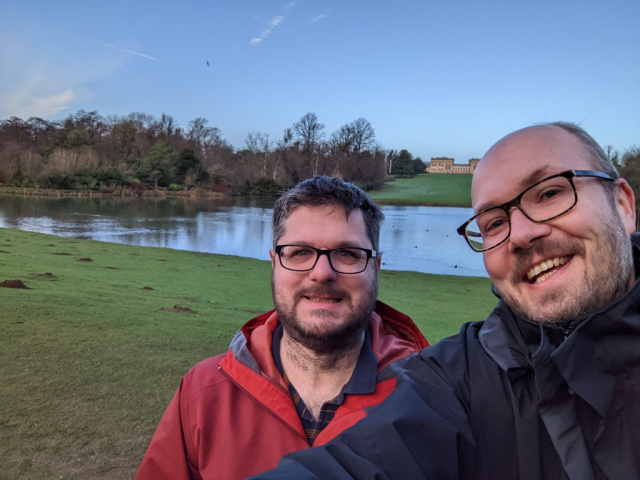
89 151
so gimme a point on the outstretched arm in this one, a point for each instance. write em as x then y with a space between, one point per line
421 431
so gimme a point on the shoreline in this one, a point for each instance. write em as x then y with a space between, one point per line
55 193
195 193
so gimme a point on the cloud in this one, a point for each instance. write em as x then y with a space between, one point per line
271 24
127 51
30 99
274 22
321 16
54 103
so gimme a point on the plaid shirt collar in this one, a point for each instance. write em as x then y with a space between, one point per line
363 381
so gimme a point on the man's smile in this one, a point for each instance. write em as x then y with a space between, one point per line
543 270
320 299
322 296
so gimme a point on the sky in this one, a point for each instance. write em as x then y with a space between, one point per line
435 77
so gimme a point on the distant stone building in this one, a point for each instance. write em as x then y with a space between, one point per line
447 165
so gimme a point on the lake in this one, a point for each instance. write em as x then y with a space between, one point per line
421 239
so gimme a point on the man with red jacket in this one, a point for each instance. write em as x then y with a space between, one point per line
299 375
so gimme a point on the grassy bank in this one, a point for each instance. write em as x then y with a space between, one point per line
90 361
426 189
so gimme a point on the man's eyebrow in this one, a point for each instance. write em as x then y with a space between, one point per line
533 177
345 244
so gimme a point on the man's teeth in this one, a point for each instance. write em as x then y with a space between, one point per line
324 299
544 266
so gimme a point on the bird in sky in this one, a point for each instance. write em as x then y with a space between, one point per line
207 63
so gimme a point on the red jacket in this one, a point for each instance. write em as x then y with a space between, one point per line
232 416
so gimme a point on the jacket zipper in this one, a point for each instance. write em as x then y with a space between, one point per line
274 381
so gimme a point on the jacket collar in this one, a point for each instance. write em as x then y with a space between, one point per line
394 337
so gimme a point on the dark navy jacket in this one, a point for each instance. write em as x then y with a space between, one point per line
504 399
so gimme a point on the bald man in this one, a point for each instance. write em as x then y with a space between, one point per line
548 387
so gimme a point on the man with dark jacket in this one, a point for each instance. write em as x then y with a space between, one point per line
304 372
548 387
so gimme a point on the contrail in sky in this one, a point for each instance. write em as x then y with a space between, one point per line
126 51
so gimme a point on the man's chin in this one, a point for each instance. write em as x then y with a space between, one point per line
325 331
323 325
324 340
551 306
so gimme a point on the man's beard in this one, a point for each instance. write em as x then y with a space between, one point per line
341 338
607 275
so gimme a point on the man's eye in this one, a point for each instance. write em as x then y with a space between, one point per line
549 194
493 226
347 253
301 252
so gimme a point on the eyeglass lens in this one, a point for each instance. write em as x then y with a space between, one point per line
541 202
343 260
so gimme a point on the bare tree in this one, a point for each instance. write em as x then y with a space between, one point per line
201 134
92 123
362 134
259 144
41 132
282 146
9 159
309 132
16 129
31 164
349 143
165 127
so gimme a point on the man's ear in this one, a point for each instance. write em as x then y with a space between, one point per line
272 255
378 261
626 205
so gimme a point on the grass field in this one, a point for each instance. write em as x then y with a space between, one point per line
426 189
90 361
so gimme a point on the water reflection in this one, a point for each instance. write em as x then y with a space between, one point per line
421 239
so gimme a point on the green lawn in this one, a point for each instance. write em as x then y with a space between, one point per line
89 361
426 189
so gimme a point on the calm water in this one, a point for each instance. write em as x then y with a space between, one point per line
421 239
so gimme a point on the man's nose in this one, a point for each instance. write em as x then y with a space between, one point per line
525 231
323 272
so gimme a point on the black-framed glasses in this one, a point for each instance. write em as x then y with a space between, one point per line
347 260
545 200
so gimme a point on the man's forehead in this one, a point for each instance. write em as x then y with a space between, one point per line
328 220
521 159
311 212
511 184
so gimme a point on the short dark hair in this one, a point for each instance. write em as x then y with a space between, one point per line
322 190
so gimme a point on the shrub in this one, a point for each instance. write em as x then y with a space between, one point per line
138 187
266 187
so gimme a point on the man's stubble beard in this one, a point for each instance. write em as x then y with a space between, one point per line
606 278
332 341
